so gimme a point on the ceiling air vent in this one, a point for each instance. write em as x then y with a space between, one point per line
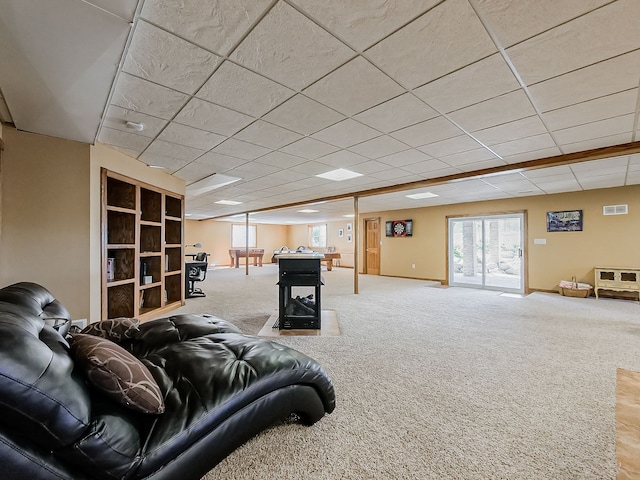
615 209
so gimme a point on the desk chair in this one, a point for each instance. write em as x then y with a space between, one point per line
196 271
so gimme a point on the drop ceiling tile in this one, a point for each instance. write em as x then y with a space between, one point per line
299 52
126 151
267 135
130 141
361 24
339 91
480 165
169 163
525 127
634 162
599 109
309 148
431 168
194 171
371 166
133 93
342 159
163 58
528 144
601 34
215 26
219 162
615 165
532 155
448 37
303 115
124 9
190 137
240 149
597 143
346 133
406 157
397 113
461 143
482 80
433 130
633 178
594 130
253 170
599 80
561 172
473 156
240 89
379 147
117 117
503 109
516 21
281 160
212 118
395 175
602 181
167 149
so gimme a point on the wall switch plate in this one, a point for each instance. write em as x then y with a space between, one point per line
539 241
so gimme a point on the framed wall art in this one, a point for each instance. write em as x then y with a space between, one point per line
399 228
565 221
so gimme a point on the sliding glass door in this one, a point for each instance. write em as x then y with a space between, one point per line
486 252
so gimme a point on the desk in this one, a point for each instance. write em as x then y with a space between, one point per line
329 258
236 254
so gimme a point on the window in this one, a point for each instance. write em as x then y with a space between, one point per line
238 238
318 235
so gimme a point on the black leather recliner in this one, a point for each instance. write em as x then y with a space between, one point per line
220 388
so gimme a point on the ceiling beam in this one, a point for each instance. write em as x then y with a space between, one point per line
545 162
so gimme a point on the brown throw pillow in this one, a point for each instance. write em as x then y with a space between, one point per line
115 329
117 373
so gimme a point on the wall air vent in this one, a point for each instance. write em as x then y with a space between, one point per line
615 209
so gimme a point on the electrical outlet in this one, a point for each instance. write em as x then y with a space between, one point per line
413 265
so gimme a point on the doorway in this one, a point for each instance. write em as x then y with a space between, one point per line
487 252
372 246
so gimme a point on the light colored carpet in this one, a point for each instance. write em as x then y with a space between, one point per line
436 383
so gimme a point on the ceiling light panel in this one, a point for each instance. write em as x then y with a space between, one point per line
228 202
300 51
420 196
210 183
339 175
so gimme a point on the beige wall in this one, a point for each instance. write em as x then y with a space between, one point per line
605 240
50 202
299 235
45 218
215 237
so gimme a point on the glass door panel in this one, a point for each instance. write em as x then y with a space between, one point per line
486 252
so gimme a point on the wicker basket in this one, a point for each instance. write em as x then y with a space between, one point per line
574 289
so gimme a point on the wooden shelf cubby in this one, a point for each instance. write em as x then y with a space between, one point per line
142 235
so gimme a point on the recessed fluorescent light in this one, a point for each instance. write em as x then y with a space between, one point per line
228 202
157 166
188 214
349 215
308 210
339 175
210 183
418 196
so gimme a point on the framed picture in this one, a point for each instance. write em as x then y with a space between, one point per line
349 227
349 237
340 232
565 221
399 228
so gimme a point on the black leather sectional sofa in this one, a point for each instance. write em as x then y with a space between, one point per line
218 387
